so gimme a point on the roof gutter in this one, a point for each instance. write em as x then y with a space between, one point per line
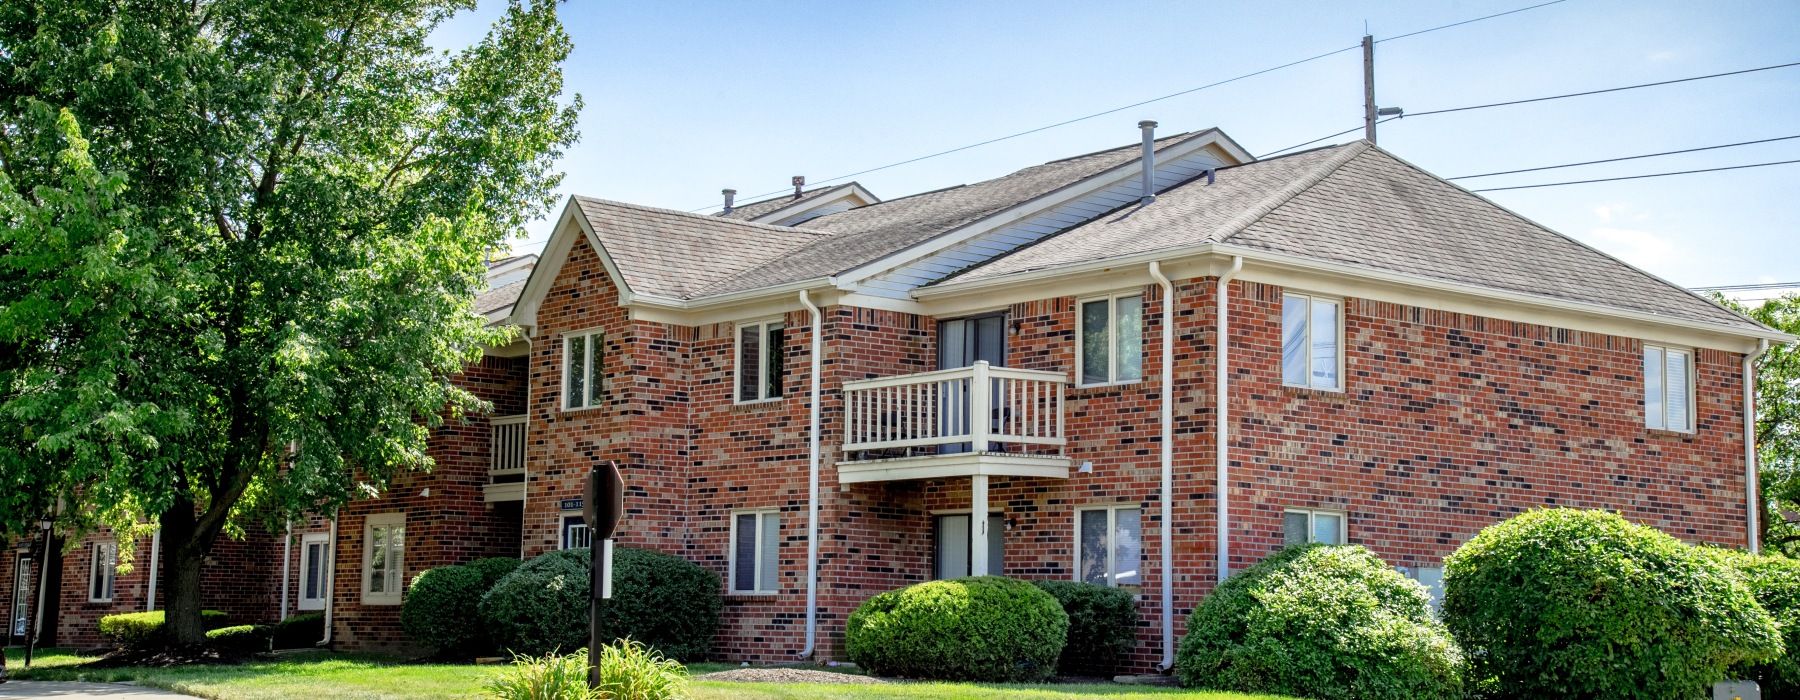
1752 503
1165 498
812 481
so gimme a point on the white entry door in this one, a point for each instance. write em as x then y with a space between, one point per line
950 548
315 562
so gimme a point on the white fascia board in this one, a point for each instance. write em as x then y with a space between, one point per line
737 306
828 196
1130 169
1343 280
570 224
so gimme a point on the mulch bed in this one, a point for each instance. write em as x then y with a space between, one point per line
777 674
161 658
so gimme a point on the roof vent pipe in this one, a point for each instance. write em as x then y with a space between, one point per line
1149 128
799 185
730 196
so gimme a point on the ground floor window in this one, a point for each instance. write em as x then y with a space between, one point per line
950 537
384 558
1300 526
21 598
755 551
1431 577
575 532
314 561
1112 546
105 572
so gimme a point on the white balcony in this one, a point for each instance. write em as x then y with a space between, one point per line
506 465
977 420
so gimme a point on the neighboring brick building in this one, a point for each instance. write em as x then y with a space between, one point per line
1405 363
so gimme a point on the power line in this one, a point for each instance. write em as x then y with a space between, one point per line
1749 287
1358 127
1615 160
1638 177
1142 103
1596 92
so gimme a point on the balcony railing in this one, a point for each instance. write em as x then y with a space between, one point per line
968 409
506 465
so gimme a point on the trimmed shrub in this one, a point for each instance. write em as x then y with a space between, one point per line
537 609
145 629
442 608
1573 603
299 631
1775 581
493 569
984 628
1102 626
662 600
1321 621
241 638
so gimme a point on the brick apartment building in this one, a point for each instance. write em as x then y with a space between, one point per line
814 395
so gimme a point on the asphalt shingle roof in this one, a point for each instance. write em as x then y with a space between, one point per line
674 254
499 297
746 212
1359 205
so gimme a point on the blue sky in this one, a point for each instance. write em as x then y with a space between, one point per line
685 98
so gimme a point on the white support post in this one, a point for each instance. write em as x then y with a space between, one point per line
980 417
978 511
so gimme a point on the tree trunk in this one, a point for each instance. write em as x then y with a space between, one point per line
184 547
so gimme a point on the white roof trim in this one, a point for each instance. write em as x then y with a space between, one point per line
819 200
556 252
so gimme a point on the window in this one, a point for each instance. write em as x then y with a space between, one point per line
21 597
755 551
384 558
1112 340
105 572
582 370
1310 330
575 532
1431 577
950 551
1112 548
315 560
759 361
1302 526
1668 388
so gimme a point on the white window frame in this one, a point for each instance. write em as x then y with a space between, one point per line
1343 519
306 542
593 390
1281 359
1693 414
1112 547
1112 340
562 529
103 576
395 583
756 558
737 358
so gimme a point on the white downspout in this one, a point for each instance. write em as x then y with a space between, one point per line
1222 428
1751 477
287 558
1167 571
155 558
812 481
330 580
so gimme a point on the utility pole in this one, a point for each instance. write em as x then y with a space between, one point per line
1368 44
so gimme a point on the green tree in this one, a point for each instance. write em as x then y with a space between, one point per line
1778 423
239 244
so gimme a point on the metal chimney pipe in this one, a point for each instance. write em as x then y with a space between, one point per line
730 196
799 185
1149 128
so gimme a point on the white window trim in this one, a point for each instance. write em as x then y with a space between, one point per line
98 579
1343 517
1693 400
1112 342
755 559
562 528
589 401
306 542
396 568
1112 550
1343 380
737 358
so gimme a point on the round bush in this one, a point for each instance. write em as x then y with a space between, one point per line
1775 581
666 602
1320 621
1573 603
661 600
241 638
442 608
985 628
493 569
1102 626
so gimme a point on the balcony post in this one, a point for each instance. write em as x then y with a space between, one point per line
978 511
980 413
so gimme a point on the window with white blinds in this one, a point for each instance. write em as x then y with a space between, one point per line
755 551
1668 388
1310 330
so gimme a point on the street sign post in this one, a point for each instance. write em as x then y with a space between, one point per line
603 505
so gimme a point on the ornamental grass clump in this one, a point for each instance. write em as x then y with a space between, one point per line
1581 603
984 628
1321 621
628 671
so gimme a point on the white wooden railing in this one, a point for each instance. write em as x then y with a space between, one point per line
508 446
947 407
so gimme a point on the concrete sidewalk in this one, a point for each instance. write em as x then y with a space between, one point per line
49 689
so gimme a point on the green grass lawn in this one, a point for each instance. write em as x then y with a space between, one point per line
328 676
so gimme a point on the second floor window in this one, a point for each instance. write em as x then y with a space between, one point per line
1112 339
1310 328
1668 388
760 367
581 370
105 574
